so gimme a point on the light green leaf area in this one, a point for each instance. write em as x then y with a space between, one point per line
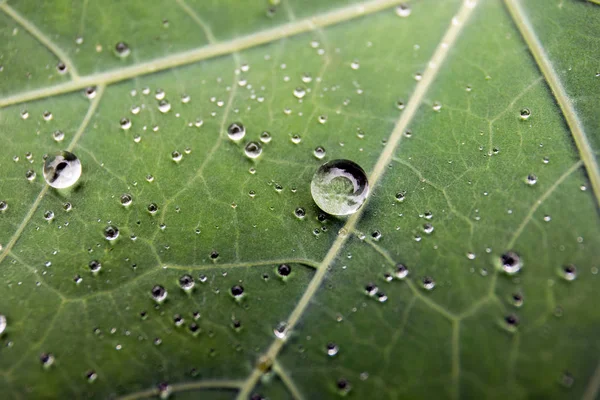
476 123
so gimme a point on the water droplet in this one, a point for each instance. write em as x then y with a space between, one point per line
159 294
176 156
164 106
280 330
62 170
525 113
3 206
265 137
437 106
24 114
400 196
47 115
428 283
332 349
300 212
126 199
61 68
125 123
49 215
371 289
185 98
77 279
517 299
186 282
428 228
299 92
122 49
111 232
95 266
343 386
306 77
355 65
30 175
319 152
284 270
90 92
296 139
3 324
376 235
253 150
403 10
237 291
152 208
164 390
47 359
58 136
340 187
511 322
418 76
531 179
401 271
569 272
236 131
91 376
511 262
322 119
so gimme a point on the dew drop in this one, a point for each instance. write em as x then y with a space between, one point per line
91 376
49 215
428 283
296 139
164 106
428 228
511 322
319 152
47 359
3 206
322 119
332 349
111 232
299 92
122 49
61 68
125 123
159 293
47 115
253 150
90 92
236 131
265 137
176 156
152 208
531 179
62 170
95 266
403 10
24 114
30 175
510 262
569 272
237 291
355 65
185 98
400 196
284 270
517 299
401 271
186 282
339 187
300 212
3 324
126 199
343 386
58 136
371 289
525 113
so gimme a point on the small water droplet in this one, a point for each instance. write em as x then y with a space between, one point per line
511 322
125 123
126 199
90 92
176 156
531 179
319 152
355 65
237 291
47 359
322 119
510 262
296 139
164 106
122 49
400 196
517 299
253 150
401 271
236 131
186 282
428 283
428 228
111 232
332 349
299 92
24 114
47 115
339 187
62 170
300 212
343 386
91 376
3 206
61 68
30 175
49 215
265 137
569 272
159 294
95 266
525 113
152 208
58 136
403 10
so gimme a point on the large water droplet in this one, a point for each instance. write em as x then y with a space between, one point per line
339 187
62 170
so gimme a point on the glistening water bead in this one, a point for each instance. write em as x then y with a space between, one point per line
340 187
62 170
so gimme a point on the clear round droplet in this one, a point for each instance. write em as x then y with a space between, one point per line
319 152
253 150
525 113
511 262
236 131
95 266
339 187
58 136
332 349
159 293
531 179
62 170
403 10
299 92
265 137
186 282
122 49
126 199
90 92
569 272
111 232
164 106
176 156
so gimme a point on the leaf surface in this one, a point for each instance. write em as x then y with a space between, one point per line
430 104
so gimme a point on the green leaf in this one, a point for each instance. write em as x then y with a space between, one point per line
476 123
